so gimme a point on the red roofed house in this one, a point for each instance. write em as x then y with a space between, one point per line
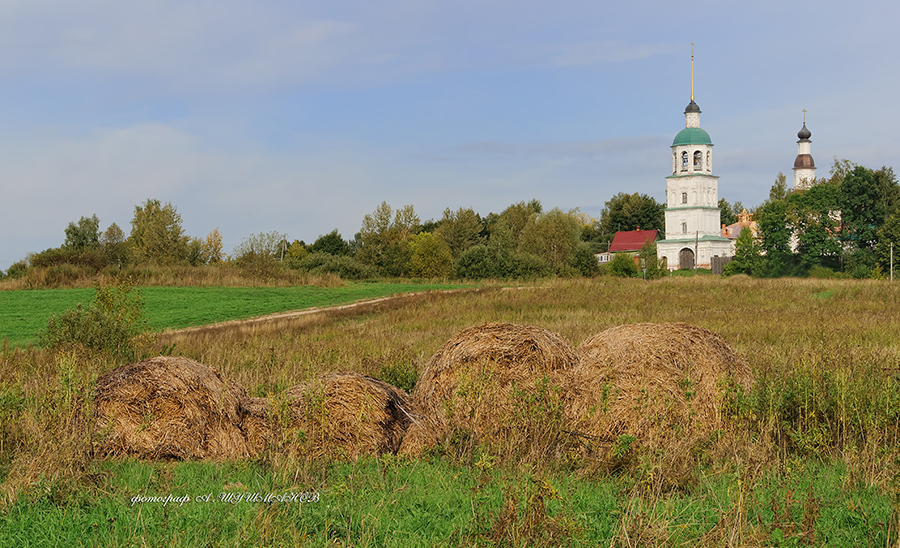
628 241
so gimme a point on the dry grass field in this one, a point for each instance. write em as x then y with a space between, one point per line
809 454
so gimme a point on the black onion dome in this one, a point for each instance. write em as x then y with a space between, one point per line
804 134
692 107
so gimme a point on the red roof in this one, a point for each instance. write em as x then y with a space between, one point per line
631 240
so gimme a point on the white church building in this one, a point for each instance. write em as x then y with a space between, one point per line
693 229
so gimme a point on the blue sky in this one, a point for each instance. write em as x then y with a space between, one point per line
301 117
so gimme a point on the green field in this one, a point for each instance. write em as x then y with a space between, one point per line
24 313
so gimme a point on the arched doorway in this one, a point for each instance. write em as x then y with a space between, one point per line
686 258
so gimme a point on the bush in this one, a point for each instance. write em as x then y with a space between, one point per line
622 265
17 270
480 261
346 267
529 266
113 324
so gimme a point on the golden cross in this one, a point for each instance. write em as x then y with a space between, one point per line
804 117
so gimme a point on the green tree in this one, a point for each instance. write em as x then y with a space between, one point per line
889 235
460 229
156 234
726 215
430 256
649 261
629 212
775 239
553 235
383 236
84 235
331 243
746 255
779 190
862 210
813 216
517 215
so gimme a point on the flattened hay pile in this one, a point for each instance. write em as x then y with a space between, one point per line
486 384
658 382
170 407
347 414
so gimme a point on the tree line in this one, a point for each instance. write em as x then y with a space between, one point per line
845 223
522 241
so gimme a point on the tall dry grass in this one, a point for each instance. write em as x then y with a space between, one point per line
69 276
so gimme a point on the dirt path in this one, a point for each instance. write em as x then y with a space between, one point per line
318 310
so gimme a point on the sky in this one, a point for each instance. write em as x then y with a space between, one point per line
302 117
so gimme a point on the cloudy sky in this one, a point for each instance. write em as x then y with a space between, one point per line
302 117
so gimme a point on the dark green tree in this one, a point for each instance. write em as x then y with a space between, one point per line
813 216
889 235
746 255
331 243
629 212
862 210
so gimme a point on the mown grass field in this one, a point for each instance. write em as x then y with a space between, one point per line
811 456
23 313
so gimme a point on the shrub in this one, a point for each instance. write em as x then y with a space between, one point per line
114 324
622 265
480 261
17 270
346 267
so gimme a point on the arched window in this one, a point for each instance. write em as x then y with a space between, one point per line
684 161
684 197
698 160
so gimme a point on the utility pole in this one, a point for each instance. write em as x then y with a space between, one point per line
892 261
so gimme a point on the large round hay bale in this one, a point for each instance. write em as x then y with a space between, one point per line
170 407
346 415
256 423
492 385
658 382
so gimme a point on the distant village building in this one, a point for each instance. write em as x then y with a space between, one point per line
628 241
693 230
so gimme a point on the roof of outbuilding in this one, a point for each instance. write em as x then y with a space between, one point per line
631 240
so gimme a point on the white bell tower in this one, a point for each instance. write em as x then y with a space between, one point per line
693 230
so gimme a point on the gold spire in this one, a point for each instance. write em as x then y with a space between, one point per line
692 71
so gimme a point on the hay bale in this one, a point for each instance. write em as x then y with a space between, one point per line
256 424
494 385
658 382
170 407
346 415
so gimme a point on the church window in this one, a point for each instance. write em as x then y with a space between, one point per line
708 162
684 197
684 228
684 161
698 160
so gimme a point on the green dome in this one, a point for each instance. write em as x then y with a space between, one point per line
692 136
